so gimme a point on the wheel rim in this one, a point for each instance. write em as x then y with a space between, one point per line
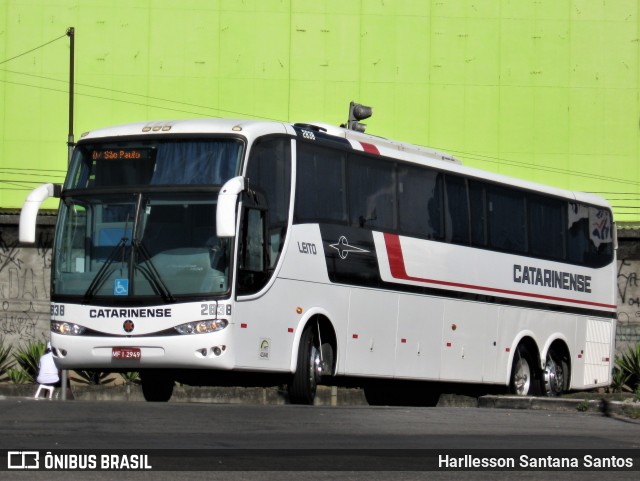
522 377
553 377
315 368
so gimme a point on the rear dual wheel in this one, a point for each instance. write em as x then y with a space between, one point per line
556 374
525 378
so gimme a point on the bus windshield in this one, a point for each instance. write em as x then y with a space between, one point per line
123 245
138 220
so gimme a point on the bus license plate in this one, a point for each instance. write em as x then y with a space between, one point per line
126 353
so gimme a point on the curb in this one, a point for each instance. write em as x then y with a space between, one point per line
327 396
609 408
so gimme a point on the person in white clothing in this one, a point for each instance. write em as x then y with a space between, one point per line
48 373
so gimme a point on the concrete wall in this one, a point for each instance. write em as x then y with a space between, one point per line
25 281
628 330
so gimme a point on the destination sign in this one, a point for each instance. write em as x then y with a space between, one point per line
121 154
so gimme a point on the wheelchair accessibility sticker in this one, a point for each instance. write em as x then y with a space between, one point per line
121 287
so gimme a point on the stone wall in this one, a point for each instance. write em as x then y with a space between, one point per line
25 281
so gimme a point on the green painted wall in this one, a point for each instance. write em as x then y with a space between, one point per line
547 90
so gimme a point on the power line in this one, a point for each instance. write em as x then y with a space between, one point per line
468 155
29 169
57 174
148 97
33 49
515 163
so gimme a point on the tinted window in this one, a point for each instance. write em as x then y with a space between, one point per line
269 172
420 202
506 215
589 235
546 227
320 190
372 193
456 210
478 217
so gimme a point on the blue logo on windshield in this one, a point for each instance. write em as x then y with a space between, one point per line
121 287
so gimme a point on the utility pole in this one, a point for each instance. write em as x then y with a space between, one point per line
70 141
71 31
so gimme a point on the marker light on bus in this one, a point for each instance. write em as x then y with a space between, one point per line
67 328
202 327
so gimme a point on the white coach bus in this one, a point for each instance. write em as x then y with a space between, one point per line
216 251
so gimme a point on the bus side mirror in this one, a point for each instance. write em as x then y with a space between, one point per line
226 209
29 211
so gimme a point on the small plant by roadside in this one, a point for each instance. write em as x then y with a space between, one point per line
28 358
619 379
629 364
130 377
583 405
6 361
17 376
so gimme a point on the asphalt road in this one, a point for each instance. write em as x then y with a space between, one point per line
135 427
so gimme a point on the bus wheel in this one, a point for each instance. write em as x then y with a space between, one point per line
523 376
555 374
157 385
303 385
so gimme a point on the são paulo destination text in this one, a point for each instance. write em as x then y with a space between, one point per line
525 461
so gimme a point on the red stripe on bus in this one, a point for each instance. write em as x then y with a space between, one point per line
399 271
370 148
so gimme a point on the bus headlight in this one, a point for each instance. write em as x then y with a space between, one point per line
67 328
202 327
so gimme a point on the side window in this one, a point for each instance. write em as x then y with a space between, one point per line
269 172
478 214
73 242
457 229
506 219
546 227
266 210
320 188
420 202
372 193
589 238
252 255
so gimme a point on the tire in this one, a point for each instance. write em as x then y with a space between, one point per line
157 385
304 382
525 380
556 374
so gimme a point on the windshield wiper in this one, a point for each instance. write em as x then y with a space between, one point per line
151 273
102 272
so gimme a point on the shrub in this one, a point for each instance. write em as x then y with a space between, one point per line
629 364
583 406
6 361
17 376
28 358
619 380
130 377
